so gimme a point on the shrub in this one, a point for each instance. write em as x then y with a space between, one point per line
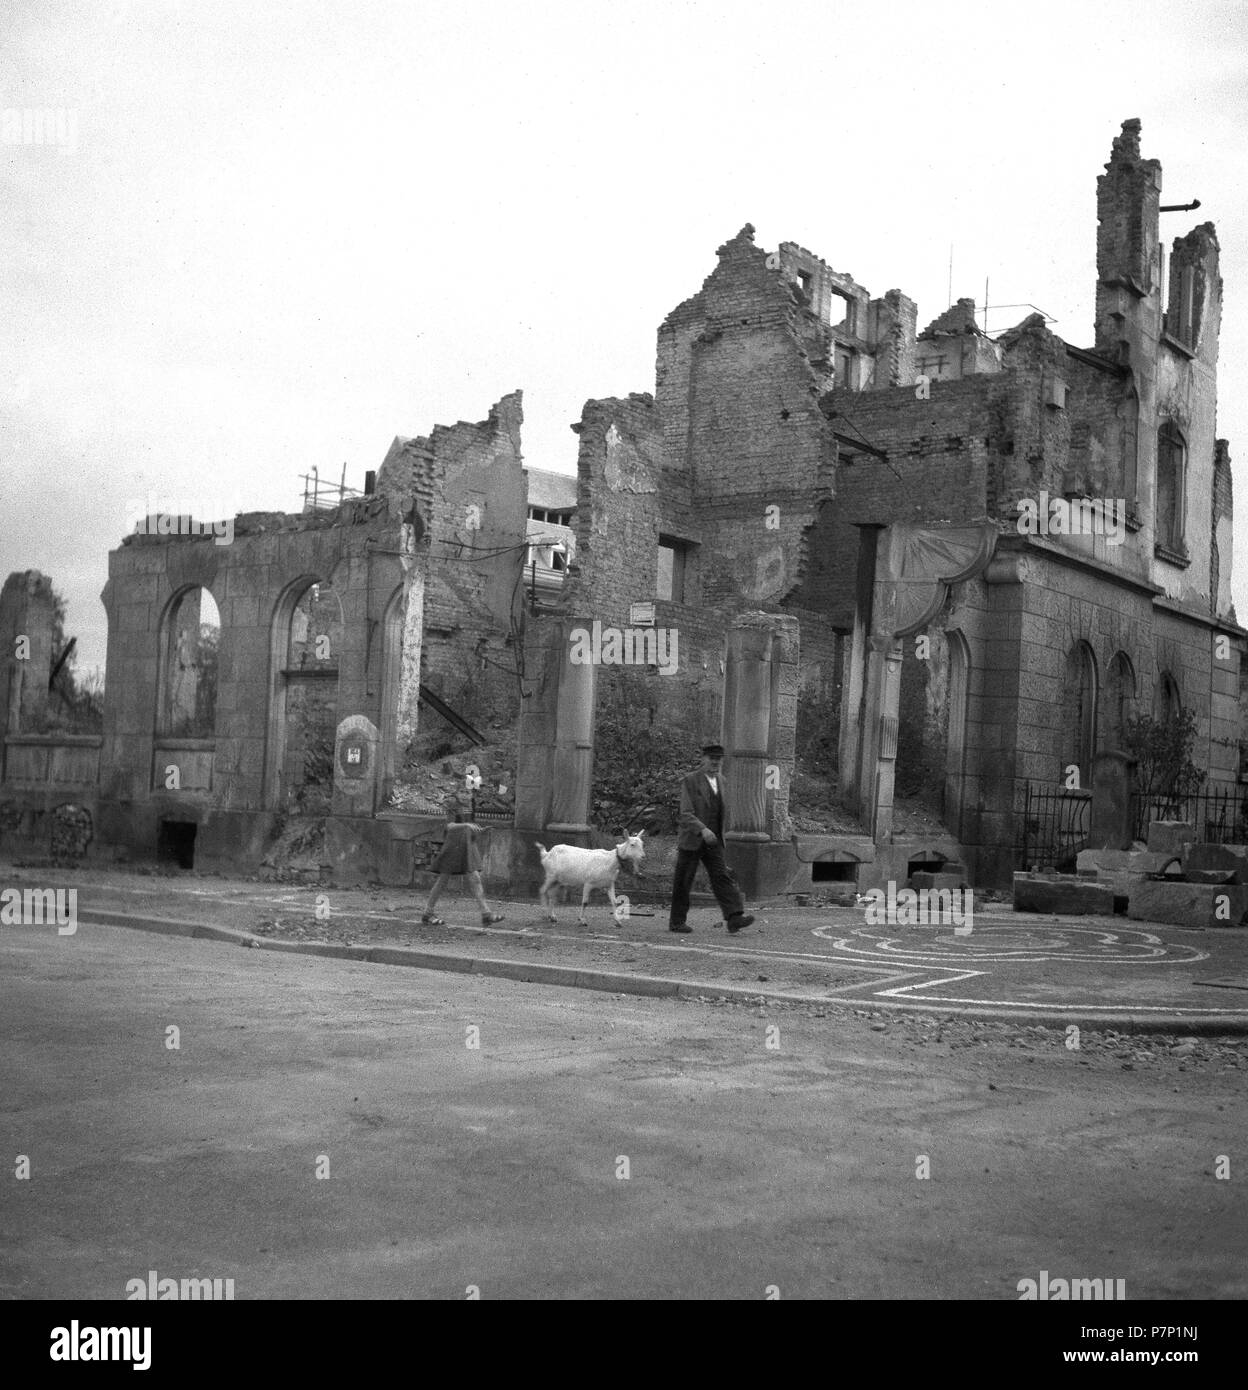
1163 753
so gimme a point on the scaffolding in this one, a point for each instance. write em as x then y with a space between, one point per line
320 495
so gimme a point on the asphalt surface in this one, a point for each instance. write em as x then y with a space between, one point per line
1089 970
589 1146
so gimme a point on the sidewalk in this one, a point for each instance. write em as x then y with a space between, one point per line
1092 971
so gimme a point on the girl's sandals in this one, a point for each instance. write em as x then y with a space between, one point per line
431 921
489 918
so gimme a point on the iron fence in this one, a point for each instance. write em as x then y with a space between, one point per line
1220 816
1051 825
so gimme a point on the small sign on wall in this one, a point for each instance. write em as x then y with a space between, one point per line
354 755
355 767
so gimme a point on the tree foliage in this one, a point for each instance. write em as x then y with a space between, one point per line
1163 753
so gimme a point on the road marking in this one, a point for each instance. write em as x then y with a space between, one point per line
904 968
1011 942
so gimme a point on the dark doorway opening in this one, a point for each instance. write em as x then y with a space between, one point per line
175 843
834 871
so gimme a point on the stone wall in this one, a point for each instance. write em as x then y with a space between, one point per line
233 784
27 610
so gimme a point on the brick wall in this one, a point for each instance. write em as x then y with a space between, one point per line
939 447
469 482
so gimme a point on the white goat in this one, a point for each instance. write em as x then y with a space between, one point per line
586 869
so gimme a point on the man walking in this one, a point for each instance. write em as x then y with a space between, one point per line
701 842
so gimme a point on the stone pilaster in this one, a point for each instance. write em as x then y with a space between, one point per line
747 726
573 766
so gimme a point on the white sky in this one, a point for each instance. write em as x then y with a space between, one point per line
292 231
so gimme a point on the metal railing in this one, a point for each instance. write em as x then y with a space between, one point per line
1219 816
1051 824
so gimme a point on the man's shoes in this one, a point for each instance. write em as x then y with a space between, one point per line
741 920
679 926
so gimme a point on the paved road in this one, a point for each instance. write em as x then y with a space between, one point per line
498 1167
1011 964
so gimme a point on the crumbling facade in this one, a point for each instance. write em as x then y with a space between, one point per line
792 413
469 484
805 455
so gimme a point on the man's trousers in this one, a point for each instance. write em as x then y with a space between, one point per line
723 881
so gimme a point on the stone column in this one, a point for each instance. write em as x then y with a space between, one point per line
412 561
759 735
573 767
782 747
545 639
555 752
747 727
850 756
879 735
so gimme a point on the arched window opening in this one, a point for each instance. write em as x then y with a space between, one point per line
1171 486
1079 711
190 652
1120 701
308 642
315 631
1167 704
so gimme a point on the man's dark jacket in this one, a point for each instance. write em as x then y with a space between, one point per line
699 808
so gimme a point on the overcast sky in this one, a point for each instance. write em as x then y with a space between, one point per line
278 234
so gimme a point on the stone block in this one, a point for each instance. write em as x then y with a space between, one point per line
1125 861
763 868
1230 857
1188 904
396 863
943 879
1062 894
1210 876
1170 836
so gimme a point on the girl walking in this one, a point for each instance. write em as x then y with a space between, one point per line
459 855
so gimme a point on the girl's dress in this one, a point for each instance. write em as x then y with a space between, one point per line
459 853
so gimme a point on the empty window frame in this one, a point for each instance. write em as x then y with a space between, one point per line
1129 415
1171 486
1187 306
849 320
673 557
846 368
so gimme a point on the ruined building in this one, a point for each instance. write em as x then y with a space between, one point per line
975 557
791 423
